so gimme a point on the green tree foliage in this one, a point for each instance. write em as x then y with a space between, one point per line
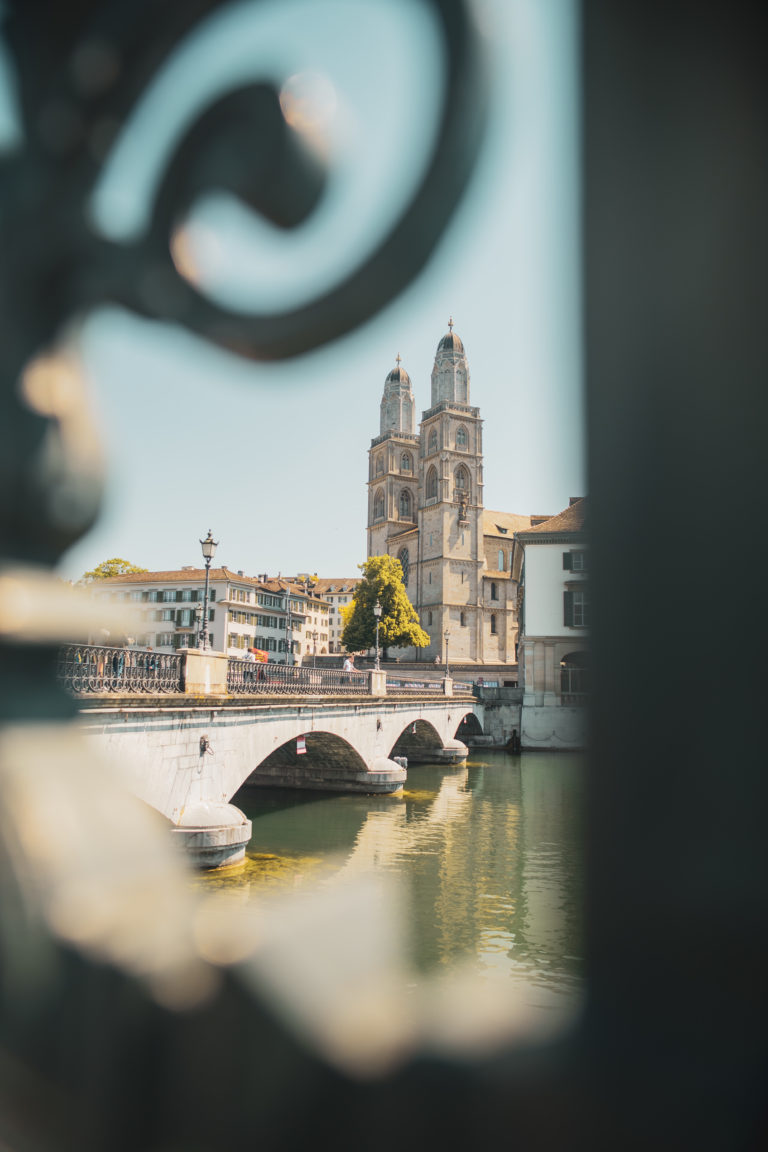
114 567
399 626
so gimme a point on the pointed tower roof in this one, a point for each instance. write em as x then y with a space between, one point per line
451 342
450 374
398 409
398 375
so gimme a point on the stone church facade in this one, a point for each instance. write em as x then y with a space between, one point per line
425 507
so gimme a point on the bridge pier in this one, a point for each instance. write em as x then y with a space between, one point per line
454 752
213 834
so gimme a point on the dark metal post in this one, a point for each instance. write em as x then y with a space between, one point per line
288 641
447 669
377 614
209 546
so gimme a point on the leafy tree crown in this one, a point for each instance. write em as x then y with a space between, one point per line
399 625
114 567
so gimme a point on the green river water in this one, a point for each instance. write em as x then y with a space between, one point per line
488 859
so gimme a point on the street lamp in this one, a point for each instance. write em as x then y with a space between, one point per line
198 622
288 641
447 669
209 546
377 614
314 648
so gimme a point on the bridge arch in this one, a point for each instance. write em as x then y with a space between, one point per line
469 726
418 741
324 761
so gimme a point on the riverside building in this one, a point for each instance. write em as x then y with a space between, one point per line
243 612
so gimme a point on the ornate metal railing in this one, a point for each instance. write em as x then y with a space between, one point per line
245 677
404 684
86 668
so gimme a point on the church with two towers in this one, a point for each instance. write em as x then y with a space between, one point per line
425 507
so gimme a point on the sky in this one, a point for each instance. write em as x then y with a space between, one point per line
273 457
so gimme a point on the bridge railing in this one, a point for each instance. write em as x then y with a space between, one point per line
86 668
404 684
245 677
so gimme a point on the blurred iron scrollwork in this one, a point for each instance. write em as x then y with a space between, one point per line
85 919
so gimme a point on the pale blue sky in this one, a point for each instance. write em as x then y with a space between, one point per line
272 457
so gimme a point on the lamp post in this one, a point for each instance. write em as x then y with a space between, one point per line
209 546
447 669
314 649
377 614
198 622
288 641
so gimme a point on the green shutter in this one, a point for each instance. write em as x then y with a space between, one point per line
567 560
568 609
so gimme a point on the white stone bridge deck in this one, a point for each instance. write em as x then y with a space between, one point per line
188 754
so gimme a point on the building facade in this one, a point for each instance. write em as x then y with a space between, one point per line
337 593
280 617
425 507
551 562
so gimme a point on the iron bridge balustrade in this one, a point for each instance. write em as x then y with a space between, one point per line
86 668
247 677
406 684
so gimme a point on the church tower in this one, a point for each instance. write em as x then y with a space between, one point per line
448 584
393 465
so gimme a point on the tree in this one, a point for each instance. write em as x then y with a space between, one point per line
114 567
399 626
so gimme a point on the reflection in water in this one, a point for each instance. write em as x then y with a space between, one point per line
488 858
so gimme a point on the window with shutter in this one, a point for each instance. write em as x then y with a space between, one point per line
567 560
568 609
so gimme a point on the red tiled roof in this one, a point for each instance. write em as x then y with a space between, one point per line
493 522
571 519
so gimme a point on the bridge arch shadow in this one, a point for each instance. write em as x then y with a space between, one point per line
327 761
418 742
469 727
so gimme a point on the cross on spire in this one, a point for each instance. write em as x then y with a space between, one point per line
450 323
398 359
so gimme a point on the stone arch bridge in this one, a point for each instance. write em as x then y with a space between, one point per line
187 760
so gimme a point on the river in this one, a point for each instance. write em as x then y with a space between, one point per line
488 859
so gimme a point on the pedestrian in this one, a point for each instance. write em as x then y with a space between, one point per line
349 666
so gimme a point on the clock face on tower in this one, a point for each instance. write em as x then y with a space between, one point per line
403 558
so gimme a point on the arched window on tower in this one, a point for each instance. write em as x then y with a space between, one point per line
461 438
432 442
494 590
461 481
378 505
431 488
406 463
493 625
380 464
404 563
501 559
406 505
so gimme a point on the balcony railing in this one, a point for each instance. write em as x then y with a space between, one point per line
90 668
